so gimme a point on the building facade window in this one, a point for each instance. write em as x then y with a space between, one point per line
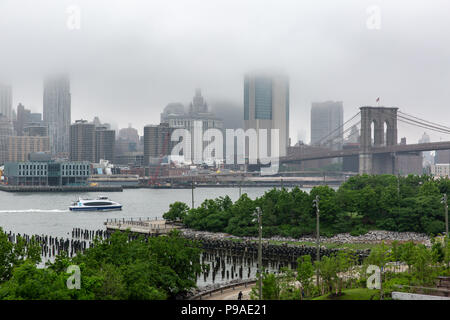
263 99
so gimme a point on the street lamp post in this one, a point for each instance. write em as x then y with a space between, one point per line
192 192
316 205
444 201
258 216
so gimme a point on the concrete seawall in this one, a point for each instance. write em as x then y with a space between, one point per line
61 188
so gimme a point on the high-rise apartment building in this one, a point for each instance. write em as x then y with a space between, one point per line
326 123
57 106
17 148
104 144
6 101
266 106
82 141
157 143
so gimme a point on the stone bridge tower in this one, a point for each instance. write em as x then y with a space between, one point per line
384 123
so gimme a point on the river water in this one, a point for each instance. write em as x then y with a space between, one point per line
48 213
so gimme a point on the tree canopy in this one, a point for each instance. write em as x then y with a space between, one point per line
362 203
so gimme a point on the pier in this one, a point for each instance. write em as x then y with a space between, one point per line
152 227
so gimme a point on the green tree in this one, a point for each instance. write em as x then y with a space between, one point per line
423 271
270 288
305 272
177 211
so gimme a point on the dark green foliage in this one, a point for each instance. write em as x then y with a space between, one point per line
361 204
116 268
177 211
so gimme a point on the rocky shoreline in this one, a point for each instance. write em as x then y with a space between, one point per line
376 236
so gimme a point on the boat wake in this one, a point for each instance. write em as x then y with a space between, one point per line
33 210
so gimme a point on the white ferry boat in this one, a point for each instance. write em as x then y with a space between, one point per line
99 204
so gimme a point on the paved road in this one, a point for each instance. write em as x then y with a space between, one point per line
230 294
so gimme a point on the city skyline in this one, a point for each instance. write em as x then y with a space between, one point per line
142 56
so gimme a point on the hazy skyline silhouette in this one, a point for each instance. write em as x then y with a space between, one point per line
129 59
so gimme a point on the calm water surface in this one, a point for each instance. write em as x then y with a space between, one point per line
48 213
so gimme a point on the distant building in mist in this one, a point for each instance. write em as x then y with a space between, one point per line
6 101
266 106
128 149
428 158
172 110
198 114
326 122
57 112
129 134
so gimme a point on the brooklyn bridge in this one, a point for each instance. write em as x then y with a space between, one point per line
379 145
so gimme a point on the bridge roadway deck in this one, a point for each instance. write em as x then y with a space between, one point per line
398 148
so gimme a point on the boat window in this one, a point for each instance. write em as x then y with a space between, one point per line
98 203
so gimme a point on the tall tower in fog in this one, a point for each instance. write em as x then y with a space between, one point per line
57 104
6 101
326 121
266 105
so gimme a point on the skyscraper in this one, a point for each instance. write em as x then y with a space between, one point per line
23 117
57 105
266 106
326 122
6 101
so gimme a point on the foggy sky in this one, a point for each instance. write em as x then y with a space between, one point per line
131 58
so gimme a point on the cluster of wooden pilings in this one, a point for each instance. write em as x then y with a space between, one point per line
85 234
52 246
288 253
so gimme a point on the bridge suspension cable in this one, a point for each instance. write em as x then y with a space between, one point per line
352 134
337 129
404 120
423 120
411 120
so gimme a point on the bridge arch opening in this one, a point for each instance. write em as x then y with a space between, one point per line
373 126
385 133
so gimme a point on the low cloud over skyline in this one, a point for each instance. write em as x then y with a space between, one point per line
129 59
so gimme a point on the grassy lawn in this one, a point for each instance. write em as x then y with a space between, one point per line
351 294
